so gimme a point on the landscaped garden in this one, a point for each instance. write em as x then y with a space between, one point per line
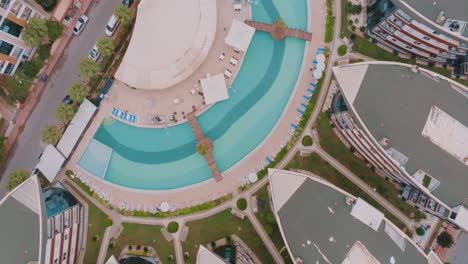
266 217
222 225
143 236
330 142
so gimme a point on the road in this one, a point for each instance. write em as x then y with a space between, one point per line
29 146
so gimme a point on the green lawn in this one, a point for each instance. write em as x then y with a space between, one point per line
97 223
267 219
219 226
315 164
330 22
333 145
144 235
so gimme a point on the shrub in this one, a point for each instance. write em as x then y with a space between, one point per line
95 238
362 29
342 49
241 204
54 30
172 227
145 249
213 244
138 247
420 231
69 173
130 247
353 28
186 255
445 240
270 218
307 141
350 22
48 5
32 68
43 52
268 229
16 178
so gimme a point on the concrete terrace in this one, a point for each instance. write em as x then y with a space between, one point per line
208 190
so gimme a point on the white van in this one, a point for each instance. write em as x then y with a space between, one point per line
112 25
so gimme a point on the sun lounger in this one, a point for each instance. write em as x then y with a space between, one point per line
304 105
300 111
268 159
233 61
115 111
310 90
123 115
315 61
293 125
221 56
227 73
321 49
306 97
313 84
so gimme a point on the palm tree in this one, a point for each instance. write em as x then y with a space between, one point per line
51 134
88 67
35 32
105 46
78 92
16 178
64 112
123 13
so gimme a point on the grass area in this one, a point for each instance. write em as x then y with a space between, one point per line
344 19
330 22
267 219
333 145
219 226
144 235
315 164
97 223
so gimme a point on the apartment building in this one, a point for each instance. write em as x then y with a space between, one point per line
411 125
40 226
435 31
14 16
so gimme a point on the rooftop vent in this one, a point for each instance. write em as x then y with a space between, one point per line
414 69
384 142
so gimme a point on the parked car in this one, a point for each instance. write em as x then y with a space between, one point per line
112 25
94 53
80 24
127 3
67 100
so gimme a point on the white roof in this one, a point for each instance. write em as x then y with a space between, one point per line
352 76
359 254
76 127
462 217
214 89
367 214
283 186
205 256
112 260
169 42
51 162
240 35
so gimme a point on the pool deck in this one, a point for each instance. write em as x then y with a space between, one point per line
208 190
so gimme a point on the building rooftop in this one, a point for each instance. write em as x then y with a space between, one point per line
57 200
170 41
432 9
326 231
394 102
22 225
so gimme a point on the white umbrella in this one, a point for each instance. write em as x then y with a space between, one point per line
320 57
253 177
320 66
164 207
317 74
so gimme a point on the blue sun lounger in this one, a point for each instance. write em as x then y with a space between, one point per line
304 105
132 118
268 159
310 90
123 115
115 111
306 97
293 125
321 49
315 61
300 111
313 84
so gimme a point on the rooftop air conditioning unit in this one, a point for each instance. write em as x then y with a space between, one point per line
414 68
384 142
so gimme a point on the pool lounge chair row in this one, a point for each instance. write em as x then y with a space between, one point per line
124 115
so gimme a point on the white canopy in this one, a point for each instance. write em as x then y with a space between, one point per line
240 35
50 162
214 89
164 207
253 177
320 57
112 260
317 74
76 127
320 66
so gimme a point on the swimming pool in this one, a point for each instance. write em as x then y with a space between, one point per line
161 159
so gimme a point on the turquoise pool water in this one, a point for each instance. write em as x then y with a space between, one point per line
161 159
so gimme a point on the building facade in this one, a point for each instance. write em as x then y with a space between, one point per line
436 31
14 16
410 124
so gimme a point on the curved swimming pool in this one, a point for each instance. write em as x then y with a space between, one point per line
161 159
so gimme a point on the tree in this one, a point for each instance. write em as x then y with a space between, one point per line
123 13
16 178
78 92
202 149
51 134
35 32
105 46
88 67
48 5
445 240
54 29
64 112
